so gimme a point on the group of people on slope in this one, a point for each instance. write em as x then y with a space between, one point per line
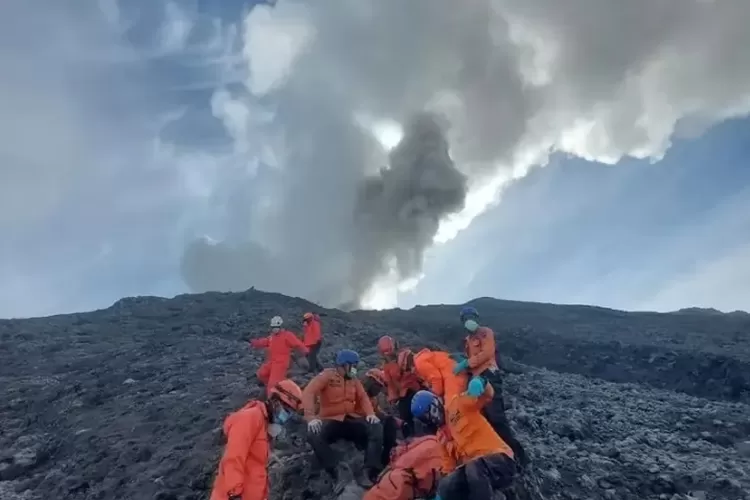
450 412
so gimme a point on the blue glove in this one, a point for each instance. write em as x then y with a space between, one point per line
457 357
461 367
476 387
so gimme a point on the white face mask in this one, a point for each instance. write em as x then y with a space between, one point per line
471 325
275 430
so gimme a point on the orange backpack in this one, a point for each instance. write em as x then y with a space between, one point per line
422 464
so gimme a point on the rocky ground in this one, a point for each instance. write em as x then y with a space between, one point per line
127 402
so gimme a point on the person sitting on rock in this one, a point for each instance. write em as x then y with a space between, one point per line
480 362
374 383
413 472
278 345
400 379
476 461
342 400
313 340
243 468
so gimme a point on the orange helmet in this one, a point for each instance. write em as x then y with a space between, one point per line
377 375
288 392
308 316
387 345
406 360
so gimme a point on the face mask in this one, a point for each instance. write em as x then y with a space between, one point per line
471 325
275 330
274 430
282 416
352 372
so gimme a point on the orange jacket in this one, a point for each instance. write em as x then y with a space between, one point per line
480 349
413 472
243 467
312 333
436 369
279 345
467 435
338 397
398 382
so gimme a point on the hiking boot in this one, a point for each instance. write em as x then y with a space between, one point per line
339 479
363 478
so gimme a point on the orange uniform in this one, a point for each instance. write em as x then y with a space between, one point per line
279 347
338 397
413 472
480 350
399 382
466 434
243 467
436 369
312 331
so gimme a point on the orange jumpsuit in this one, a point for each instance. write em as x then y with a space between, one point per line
413 472
436 369
312 331
480 350
398 382
243 467
279 347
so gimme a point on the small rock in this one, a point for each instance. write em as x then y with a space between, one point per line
129 381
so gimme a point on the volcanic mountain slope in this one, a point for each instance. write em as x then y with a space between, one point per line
128 402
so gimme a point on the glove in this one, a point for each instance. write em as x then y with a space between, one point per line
314 425
460 367
476 387
372 419
457 357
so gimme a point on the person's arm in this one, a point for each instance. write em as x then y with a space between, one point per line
237 449
391 384
295 343
261 343
486 350
311 391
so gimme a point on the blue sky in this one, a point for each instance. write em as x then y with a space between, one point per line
154 147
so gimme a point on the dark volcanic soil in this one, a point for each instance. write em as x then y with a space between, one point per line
127 402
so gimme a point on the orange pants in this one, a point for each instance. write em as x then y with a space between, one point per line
272 373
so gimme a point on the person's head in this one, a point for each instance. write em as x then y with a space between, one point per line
387 347
346 363
307 318
406 361
428 408
374 382
468 312
276 323
284 400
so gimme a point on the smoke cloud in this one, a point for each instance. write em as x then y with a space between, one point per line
512 81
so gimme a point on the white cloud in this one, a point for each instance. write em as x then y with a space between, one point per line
176 28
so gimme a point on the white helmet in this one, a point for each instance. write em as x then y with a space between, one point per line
276 322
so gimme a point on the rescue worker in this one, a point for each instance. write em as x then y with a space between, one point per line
480 361
313 340
374 383
243 473
435 369
414 471
342 400
279 345
476 461
401 381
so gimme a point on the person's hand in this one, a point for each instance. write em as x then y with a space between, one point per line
476 387
372 419
460 367
314 425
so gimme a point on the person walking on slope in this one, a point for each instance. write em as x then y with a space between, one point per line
401 381
374 383
313 340
342 400
279 345
476 460
481 363
243 468
413 472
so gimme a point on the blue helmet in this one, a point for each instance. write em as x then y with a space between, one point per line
421 404
469 312
347 357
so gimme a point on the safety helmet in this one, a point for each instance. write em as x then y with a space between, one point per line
377 375
421 403
387 345
288 392
276 322
347 357
406 360
308 316
468 312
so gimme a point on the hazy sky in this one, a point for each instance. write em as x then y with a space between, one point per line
590 151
